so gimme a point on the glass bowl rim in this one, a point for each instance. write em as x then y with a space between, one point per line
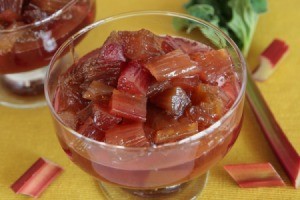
193 138
43 21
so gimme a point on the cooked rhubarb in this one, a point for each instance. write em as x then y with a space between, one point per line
188 46
269 59
173 64
98 90
112 52
102 118
254 175
37 178
50 6
175 133
173 100
140 89
128 106
215 64
187 82
134 79
90 129
129 135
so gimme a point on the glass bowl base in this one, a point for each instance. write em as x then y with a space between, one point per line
23 90
186 191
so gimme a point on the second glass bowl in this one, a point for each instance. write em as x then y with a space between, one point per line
26 50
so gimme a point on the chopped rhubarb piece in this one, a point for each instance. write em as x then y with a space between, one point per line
12 5
112 52
206 113
7 41
158 118
206 93
187 83
254 175
284 150
134 79
215 64
32 14
98 90
157 87
170 43
140 45
269 59
175 133
103 119
128 106
37 178
50 6
69 119
7 17
90 129
129 135
171 65
173 100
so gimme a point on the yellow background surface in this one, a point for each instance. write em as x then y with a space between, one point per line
26 135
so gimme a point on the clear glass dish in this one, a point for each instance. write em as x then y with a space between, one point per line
26 50
175 170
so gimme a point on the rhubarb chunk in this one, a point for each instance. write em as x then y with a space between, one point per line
269 59
140 45
188 83
158 119
134 79
32 14
170 43
215 64
90 129
103 119
175 133
14 6
50 6
128 106
254 175
37 178
157 87
173 100
129 135
98 90
112 52
171 65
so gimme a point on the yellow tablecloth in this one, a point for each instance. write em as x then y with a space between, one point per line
28 134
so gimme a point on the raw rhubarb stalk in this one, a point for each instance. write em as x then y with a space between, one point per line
254 175
269 59
37 178
280 144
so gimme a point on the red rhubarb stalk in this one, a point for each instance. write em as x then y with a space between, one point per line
269 59
254 175
37 178
280 144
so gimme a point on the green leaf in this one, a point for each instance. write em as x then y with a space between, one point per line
243 22
205 12
259 6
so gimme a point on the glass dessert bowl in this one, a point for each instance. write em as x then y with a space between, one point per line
30 32
147 108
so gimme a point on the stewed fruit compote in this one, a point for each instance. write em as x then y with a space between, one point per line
141 90
29 38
